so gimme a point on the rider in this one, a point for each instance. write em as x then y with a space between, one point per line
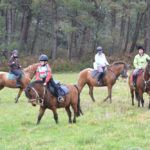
15 67
100 63
139 62
43 73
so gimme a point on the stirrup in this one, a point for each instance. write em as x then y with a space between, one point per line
60 99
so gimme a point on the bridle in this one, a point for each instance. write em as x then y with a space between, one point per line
37 98
145 81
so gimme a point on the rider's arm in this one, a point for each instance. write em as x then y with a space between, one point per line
135 62
106 62
49 74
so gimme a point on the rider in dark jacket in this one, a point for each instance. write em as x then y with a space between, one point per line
15 67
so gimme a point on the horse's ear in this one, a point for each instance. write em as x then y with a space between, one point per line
128 66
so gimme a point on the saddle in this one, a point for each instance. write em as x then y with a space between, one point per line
12 76
62 89
134 76
96 74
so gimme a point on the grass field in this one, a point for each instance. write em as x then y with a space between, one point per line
104 126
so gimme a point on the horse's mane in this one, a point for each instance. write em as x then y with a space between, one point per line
118 63
28 67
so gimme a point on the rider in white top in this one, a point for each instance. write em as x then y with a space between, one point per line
100 62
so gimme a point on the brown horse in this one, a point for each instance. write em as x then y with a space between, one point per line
8 80
142 85
109 79
37 93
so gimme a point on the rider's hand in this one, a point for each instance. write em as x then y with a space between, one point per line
44 84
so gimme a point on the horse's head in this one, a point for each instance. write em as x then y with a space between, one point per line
34 92
120 68
124 71
147 68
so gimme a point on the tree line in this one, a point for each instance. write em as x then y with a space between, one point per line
74 28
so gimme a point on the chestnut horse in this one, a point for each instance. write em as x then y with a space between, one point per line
9 80
37 93
142 85
112 73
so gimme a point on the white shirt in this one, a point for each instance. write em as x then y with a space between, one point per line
100 61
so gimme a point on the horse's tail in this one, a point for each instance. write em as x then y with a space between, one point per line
79 110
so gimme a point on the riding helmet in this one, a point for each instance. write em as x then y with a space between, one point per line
43 57
15 53
140 47
99 49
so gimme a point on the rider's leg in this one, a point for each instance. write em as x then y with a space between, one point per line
135 72
18 74
55 86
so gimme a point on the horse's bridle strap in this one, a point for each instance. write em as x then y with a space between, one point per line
37 96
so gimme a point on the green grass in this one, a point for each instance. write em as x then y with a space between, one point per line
104 126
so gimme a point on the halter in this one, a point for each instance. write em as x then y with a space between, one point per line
38 98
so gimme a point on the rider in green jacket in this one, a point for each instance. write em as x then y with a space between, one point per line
139 62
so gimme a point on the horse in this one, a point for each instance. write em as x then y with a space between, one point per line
142 85
37 93
9 80
111 75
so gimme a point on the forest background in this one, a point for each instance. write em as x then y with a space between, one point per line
69 31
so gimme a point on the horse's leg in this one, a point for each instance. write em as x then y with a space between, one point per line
55 114
41 113
132 95
141 97
75 109
109 94
69 113
91 93
1 87
19 93
149 103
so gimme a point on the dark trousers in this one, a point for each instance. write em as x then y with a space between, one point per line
55 86
18 74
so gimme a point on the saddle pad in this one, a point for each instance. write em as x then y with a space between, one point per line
95 74
11 76
63 90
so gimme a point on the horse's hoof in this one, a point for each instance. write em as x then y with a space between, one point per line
16 100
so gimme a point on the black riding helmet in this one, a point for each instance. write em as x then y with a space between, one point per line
43 57
140 47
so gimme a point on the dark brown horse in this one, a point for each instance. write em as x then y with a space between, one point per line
111 75
8 80
142 85
37 93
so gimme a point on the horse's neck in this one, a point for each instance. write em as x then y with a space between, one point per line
116 70
30 74
30 71
146 75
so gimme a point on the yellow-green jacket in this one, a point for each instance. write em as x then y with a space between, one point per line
140 61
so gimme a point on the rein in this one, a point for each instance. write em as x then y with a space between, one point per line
38 98
112 72
145 82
